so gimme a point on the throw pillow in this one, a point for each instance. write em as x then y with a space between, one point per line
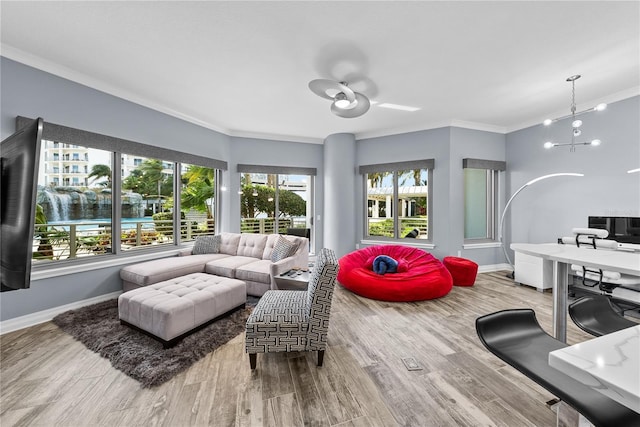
282 249
207 245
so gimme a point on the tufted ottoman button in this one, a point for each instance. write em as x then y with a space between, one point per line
462 270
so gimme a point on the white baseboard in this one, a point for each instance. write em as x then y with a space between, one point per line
493 267
32 319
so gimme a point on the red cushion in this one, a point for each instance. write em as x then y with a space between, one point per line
462 270
425 276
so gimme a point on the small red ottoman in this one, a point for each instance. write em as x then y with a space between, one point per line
462 270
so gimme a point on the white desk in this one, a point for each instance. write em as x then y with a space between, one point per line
609 364
560 258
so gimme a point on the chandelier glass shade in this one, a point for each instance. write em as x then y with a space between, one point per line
576 124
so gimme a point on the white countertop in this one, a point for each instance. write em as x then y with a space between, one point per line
613 260
609 364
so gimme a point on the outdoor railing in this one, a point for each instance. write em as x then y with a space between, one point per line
69 240
383 227
267 225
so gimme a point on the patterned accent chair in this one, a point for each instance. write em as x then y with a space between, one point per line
294 320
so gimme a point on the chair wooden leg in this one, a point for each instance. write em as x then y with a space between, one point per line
252 360
320 357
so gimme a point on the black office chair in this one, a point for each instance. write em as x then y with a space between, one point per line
595 315
515 336
300 232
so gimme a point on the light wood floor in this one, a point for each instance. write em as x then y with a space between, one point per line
49 379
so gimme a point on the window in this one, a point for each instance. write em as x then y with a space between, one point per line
71 223
146 207
197 201
276 198
106 214
481 190
398 200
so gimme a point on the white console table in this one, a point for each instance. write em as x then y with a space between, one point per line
560 257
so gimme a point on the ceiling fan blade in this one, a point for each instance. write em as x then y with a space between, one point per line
362 106
321 86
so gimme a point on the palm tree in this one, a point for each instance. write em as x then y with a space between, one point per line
376 178
101 171
199 188
152 170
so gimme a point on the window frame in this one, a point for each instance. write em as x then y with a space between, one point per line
281 171
395 168
117 146
492 168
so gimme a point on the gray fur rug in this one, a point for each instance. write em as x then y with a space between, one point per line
140 356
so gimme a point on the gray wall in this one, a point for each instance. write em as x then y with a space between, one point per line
549 209
33 93
30 92
428 144
339 180
448 146
473 144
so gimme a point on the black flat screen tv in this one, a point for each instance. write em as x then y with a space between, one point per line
19 159
622 229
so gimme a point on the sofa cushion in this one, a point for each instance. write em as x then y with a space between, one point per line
258 271
272 239
147 273
207 245
283 249
229 243
226 267
252 245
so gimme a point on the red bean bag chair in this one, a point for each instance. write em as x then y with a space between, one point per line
424 276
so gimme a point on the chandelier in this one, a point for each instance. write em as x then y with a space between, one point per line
575 123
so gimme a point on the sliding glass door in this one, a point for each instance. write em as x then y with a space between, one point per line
276 203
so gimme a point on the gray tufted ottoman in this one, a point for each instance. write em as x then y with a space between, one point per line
171 309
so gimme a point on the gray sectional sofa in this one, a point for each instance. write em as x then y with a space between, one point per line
246 257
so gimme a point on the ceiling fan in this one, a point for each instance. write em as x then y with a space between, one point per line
346 103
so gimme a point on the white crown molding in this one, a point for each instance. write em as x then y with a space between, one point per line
609 99
77 77
478 126
429 126
400 130
83 79
275 137
33 319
